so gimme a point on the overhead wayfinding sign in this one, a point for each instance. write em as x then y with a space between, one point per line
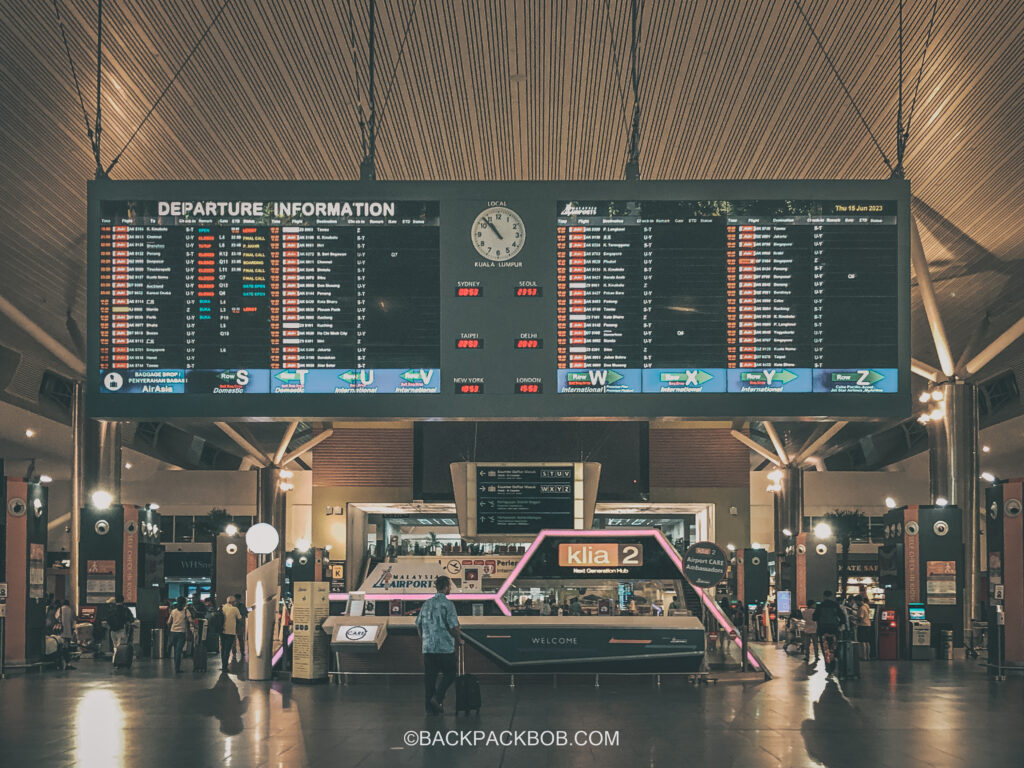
524 499
498 299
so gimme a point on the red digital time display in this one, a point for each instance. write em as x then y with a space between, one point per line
469 389
469 344
529 343
528 290
469 291
532 388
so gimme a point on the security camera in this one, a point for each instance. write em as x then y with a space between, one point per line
821 549
941 527
912 528
102 527
1012 507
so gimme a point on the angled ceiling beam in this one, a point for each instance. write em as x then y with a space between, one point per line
808 450
283 445
306 447
931 305
33 329
1001 342
774 436
254 454
925 370
756 447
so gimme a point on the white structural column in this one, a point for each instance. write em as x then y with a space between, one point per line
931 306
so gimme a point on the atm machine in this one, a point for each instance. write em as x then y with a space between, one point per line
920 633
888 635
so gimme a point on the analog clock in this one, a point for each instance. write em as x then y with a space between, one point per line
498 233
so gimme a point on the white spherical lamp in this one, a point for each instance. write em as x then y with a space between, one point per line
262 538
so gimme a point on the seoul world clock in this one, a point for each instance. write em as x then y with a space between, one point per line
498 233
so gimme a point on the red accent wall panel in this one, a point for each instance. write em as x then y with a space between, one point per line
701 458
130 553
912 557
378 458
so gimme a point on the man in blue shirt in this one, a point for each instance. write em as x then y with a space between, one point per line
438 628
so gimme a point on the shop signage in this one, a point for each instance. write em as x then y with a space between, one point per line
704 564
399 577
599 557
188 565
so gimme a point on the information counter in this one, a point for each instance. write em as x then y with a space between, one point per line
502 644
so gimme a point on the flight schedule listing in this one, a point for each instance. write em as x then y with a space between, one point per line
231 297
720 296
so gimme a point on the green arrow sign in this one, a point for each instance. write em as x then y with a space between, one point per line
687 378
859 378
349 376
768 378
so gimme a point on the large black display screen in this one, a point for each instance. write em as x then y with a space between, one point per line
498 300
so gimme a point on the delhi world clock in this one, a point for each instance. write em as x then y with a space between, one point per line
498 233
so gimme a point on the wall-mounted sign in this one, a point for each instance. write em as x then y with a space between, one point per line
705 564
100 582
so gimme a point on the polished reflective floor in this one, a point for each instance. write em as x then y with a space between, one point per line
906 714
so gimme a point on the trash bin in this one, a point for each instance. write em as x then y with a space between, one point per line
158 644
946 644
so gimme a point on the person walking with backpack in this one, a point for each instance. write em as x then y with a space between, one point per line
230 618
119 620
438 627
831 619
177 628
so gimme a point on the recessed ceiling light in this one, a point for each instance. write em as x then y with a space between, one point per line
127 465
30 432
985 449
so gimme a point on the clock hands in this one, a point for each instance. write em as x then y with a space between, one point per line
494 228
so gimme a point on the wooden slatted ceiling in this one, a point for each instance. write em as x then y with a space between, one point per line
697 458
374 458
521 89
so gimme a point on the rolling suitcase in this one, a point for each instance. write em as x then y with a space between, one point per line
467 689
849 663
124 655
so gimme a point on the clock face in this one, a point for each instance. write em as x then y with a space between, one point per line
498 233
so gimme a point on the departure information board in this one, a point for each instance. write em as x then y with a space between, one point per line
498 299
727 296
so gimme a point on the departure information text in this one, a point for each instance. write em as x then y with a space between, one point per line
273 298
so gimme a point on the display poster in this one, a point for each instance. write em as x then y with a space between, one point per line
100 581
337 576
36 571
941 582
310 647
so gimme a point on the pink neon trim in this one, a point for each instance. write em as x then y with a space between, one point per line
280 651
708 602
